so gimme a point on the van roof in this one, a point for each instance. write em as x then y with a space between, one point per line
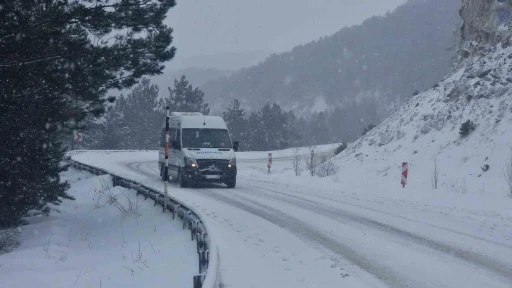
186 114
200 121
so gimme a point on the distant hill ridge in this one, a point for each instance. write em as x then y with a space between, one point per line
383 61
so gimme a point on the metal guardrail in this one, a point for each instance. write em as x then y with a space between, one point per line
207 255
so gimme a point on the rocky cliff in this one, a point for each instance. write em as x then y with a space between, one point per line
485 23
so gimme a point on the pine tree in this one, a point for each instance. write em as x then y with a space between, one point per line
337 123
295 130
58 60
110 132
256 137
236 122
185 98
142 116
368 129
318 130
273 128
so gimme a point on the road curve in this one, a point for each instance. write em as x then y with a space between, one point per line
376 242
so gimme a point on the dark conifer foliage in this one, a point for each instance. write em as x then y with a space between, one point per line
58 59
135 120
236 120
185 98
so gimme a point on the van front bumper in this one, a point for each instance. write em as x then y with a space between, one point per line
193 174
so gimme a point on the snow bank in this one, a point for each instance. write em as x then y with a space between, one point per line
287 153
116 168
108 237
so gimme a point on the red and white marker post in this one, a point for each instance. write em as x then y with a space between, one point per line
405 171
77 137
269 165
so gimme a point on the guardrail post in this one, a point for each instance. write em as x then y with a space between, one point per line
203 240
198 242
206 260
175 211
185 219
193 231
201 254
198 281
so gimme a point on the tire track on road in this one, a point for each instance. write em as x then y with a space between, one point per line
305 232
498 267
245 198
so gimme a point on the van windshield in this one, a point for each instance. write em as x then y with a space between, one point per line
205 138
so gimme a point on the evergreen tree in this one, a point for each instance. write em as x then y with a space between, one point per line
273 127
368 129
109 132
318 129
236 122
185 98
295 130
142 117
256 137
56 67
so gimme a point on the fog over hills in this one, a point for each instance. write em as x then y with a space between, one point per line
375 66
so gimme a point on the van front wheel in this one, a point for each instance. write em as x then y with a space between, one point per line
231 183
182 182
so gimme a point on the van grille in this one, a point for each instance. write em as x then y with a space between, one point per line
212 166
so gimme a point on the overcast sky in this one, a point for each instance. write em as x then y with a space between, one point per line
205 27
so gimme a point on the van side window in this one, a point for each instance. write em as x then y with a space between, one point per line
172 134
178 135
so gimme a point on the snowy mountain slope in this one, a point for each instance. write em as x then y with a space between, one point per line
427 128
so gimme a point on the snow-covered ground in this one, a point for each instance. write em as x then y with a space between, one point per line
280 230
91 243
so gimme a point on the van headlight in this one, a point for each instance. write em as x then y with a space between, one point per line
232 163
189 162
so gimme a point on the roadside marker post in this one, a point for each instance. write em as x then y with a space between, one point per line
405 171
77 137
269 165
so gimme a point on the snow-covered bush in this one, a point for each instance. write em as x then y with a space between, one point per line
328 168
312 160
340 149
9 239
466 128
111 197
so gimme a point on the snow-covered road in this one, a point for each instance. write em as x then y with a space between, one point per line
283 231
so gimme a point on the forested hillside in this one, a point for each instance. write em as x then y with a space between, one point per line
367 71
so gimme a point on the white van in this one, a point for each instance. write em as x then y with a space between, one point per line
200 150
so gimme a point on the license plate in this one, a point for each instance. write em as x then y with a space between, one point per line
212 176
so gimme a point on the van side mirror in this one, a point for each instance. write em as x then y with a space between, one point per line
236 145
175 145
